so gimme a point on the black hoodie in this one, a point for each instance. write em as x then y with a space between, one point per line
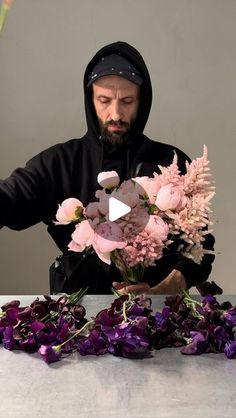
32 194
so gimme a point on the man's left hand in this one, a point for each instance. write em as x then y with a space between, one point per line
172 284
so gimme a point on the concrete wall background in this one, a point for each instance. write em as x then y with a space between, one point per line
189 47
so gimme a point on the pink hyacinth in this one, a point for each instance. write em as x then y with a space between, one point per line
142 249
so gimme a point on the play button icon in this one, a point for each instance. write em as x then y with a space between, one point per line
117 209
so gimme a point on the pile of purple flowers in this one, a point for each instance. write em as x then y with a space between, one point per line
128 328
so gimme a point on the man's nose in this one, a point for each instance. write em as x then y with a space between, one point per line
116 112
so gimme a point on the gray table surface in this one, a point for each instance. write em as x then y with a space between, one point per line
167 385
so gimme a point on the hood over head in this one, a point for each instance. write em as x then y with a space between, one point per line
134 57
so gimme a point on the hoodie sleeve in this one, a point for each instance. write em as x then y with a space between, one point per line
26 196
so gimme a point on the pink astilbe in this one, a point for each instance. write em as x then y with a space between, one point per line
191 223
198 178
170 175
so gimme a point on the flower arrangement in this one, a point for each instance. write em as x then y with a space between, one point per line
165 207
128 328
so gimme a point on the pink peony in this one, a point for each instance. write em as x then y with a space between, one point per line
128 198
157 228
149 186
68 211
91 211
168 197
82 236
108 237
108 179
103 204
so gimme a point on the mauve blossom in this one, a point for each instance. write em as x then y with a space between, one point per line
126 339
197 344
130 199
168 197
91 211
29 344
37 326
82 236
94 344
221 336
108 237
103 203
230 317
12 315
162 319
70 210
11 304
127 193
8 338
230 349
108 179
49 353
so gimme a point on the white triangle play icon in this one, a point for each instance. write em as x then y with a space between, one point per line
117 209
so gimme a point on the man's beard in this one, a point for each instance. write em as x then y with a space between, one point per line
115 139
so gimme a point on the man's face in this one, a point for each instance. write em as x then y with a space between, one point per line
116 102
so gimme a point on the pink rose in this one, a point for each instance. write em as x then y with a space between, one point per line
108 179
108 237
70 210
168 197
82 236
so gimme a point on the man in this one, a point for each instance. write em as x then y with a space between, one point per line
118 98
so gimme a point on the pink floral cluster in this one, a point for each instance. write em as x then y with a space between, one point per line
162 206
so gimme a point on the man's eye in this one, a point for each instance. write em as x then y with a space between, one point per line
127 101
104 100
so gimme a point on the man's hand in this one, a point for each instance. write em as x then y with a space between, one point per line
172 284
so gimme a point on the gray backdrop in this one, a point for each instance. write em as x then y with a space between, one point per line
189 47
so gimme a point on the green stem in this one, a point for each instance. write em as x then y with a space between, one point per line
124 311
58 347
191 303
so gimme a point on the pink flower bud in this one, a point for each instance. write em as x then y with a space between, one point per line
70 210
108 179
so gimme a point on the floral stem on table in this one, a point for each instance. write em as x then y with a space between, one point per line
192 303
59 346
52 353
